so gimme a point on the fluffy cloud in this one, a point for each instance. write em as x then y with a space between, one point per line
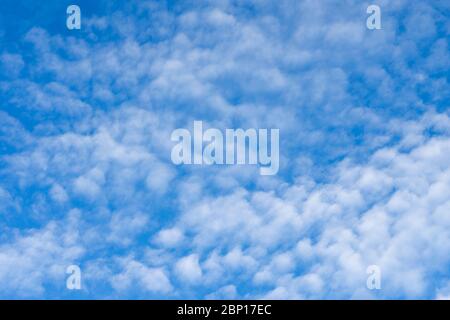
150 279
32 260
188 269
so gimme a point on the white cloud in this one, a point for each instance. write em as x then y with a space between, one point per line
149 279
58 193
29 260
12 64
169 237
159 178
124 226
188 269
228 292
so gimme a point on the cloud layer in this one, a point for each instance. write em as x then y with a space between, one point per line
85 171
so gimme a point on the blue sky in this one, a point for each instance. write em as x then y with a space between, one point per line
85 171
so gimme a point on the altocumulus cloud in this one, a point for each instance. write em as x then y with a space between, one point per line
86 175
